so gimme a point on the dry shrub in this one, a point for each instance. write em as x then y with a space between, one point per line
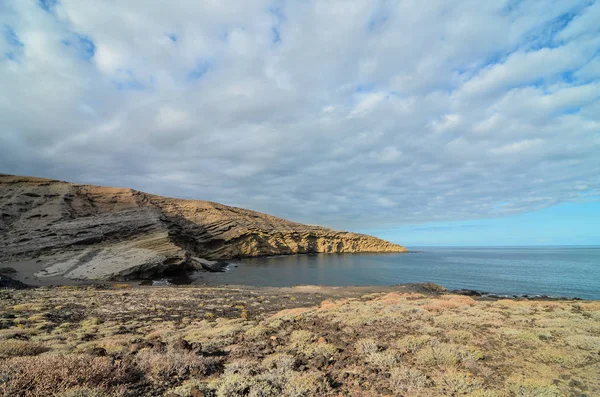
231 385
257 332
382 360
483 393
300 338
447 355
161 366
459 336
14 333
458 382
523 337
302 342
549 355
405 378
114 345
290 313
279 362
440 305
188 388
18 348
394 298
216 335
411 343
28 307
583 342
332 305
532 388
50 374
242 366
238 385
460 300
83 392
306 384
366 346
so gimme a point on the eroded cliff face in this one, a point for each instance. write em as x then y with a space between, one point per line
95 232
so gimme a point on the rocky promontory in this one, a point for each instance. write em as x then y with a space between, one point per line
95 232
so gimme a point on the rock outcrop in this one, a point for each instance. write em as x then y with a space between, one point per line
95 232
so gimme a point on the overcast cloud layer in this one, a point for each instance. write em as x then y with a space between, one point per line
350 114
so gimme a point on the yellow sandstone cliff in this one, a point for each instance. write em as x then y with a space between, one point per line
91 232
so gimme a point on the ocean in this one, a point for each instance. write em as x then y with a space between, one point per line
554 271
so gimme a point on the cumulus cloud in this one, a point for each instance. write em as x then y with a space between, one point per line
348 114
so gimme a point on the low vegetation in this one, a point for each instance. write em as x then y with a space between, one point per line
210 341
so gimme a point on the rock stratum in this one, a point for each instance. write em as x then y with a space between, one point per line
95 232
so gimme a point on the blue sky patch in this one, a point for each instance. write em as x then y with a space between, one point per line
276 35
11 56
364 87
125 85
172 36
571 110
376 22
47 5
127 81
275 29
11 37
87 46
202 67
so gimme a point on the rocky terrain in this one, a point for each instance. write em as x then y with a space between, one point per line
60 229
410 341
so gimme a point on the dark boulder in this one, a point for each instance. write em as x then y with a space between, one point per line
9 283
466 292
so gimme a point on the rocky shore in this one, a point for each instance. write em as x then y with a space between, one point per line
53 229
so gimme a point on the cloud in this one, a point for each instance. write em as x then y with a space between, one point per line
373 113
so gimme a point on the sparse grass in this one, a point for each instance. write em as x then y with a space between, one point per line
50 374
412 343
440 354
366 346
407 379
306 384
455 382
532 388
221 341
18 348
161 366
279 361
83 392
382 360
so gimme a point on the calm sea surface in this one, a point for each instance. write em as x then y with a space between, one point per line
555 271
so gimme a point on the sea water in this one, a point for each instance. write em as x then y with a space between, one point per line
554 271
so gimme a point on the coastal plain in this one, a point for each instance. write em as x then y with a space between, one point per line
413 340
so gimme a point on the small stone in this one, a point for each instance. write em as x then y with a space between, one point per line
197 392
565 376
182 344
321 340
319 362
99 351
273 337
578 384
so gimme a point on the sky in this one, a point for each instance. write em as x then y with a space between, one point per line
426 123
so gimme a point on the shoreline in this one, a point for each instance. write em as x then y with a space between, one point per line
12 282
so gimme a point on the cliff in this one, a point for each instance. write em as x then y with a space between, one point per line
95 232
